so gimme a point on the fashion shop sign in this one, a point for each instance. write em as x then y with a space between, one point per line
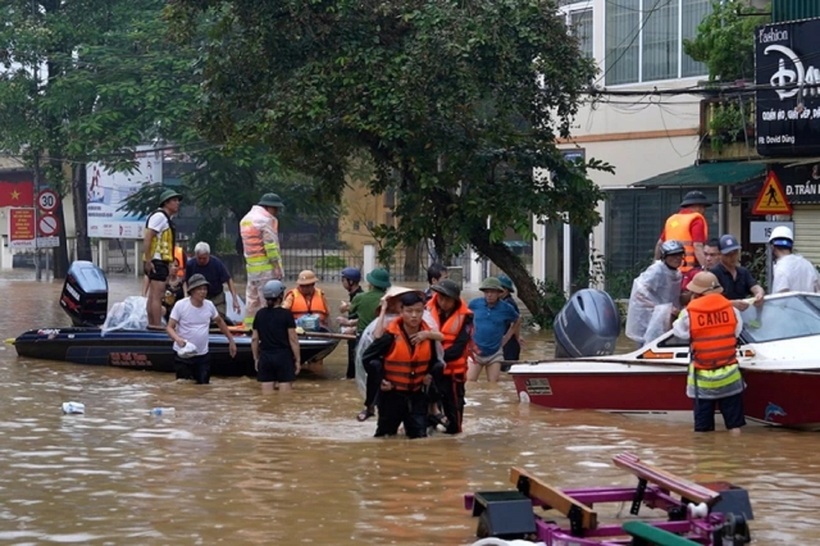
787 81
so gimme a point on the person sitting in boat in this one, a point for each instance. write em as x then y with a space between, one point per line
217 275
658 285
712 325
275 346
189 325
404 360
174 289
306 299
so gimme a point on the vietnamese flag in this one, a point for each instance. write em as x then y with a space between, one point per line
16 194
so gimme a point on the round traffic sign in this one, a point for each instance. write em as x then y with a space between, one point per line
47 225
48 200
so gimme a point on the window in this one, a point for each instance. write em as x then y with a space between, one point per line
644 39
579 22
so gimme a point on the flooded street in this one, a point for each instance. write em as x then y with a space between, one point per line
233 467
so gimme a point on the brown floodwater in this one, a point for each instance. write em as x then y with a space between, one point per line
233 467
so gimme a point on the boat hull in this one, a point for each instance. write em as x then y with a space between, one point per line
147 349
782 398
617 387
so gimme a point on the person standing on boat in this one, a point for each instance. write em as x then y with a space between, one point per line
158 247
259 230
351 279
512 349
404 360
455 322
689 227
737 282
792 272
712 325
275 345
217 275
189 327
711 251
658 284
495 322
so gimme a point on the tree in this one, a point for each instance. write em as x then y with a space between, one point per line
457 105
88 81
725 40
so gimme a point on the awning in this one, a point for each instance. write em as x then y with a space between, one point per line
722 173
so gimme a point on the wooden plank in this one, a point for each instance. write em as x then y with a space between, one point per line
653 535
555 499
666 480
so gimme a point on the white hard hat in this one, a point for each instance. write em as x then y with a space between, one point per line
781 236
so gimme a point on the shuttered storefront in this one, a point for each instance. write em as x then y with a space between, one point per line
807 231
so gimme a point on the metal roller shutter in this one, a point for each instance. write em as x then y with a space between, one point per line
807 231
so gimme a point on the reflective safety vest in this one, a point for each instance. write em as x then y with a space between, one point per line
163 243
302 306
260 241
406 365
678 229
450 330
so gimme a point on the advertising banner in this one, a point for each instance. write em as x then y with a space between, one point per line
787 95
107 192
21 228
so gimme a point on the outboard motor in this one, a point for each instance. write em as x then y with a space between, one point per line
85 294
588 325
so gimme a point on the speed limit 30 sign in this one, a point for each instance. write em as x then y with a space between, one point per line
47 200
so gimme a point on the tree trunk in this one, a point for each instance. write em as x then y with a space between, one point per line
504 258
412 259
79 192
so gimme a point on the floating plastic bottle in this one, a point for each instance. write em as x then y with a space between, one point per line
162 411
73 407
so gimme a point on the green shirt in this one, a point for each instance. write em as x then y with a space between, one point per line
365 307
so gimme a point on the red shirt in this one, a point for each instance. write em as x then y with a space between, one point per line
697 229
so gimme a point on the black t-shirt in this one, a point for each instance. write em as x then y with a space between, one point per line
273 323
737 288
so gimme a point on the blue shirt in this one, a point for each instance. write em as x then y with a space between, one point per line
214 272
490 324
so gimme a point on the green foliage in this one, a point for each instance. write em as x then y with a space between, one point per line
755 262
550 299
725 40
330 262
455 105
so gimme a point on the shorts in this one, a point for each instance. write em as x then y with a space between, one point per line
731 408
487 360
276 367
160 272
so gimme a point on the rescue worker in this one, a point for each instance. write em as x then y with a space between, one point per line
306 299
658 285
259 230
404 360
712 325
455 322
689 227
351 282
792 272
158 247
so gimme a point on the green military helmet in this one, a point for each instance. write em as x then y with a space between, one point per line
271 200
168 194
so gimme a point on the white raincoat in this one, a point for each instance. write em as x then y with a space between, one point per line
794 273
656 285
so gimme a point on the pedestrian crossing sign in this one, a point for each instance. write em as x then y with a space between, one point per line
772 198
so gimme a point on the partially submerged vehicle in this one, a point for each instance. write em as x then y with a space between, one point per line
85 300
775 352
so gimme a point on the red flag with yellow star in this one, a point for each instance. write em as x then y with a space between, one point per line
16 194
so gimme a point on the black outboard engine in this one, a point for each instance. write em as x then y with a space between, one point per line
85 294
588 325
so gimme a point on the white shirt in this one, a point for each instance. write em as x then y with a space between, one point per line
158 223
193 322
794 273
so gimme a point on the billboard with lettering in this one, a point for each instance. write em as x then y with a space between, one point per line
787 76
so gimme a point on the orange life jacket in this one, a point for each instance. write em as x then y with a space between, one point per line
406 365
712 324
179 257
678 229
301 306
450 330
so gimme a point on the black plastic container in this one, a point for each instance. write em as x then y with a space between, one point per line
85 294
588 325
